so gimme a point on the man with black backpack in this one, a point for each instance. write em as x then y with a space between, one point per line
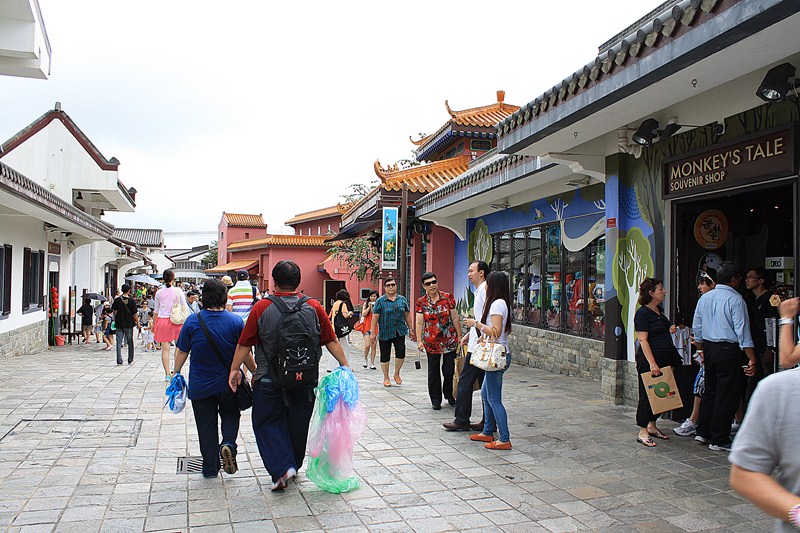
288 330
126 318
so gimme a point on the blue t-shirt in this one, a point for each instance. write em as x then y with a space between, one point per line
207 376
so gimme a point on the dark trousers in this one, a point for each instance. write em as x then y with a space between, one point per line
725 381
126 333
752 381
385 348
644 413
448 364
206 411
281 432
466 380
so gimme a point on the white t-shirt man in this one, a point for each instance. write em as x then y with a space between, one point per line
480 303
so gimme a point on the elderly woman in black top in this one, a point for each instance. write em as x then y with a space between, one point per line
655 351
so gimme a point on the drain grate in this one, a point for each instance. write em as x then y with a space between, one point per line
189 465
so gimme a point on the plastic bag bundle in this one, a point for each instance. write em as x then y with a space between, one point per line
176 394
337 423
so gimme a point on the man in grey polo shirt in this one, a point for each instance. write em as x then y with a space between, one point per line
767 440
722 330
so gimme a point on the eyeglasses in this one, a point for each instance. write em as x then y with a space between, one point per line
390 285
751 277
431 282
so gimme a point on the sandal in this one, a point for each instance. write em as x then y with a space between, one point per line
647 442
398 380
659 435
387 383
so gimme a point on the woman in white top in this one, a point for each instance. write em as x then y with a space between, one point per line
164 331
495 324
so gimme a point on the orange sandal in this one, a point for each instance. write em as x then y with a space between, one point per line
398 380
497 445
387 383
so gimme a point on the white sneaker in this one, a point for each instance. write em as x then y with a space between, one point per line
686 429
735 427
701 440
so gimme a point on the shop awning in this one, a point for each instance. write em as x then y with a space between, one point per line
354 230
243 264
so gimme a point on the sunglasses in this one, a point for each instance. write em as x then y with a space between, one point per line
390 285
431 282
704 274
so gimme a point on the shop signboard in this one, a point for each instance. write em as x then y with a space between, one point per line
389 238
751 159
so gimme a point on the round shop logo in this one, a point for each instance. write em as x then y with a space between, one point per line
711 229
661 389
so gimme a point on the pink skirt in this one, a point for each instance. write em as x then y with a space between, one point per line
166 331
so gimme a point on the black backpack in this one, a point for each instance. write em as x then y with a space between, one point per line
296 361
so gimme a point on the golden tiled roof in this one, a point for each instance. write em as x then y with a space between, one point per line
279 240
247 221
233 265
422 178
485 116
314 215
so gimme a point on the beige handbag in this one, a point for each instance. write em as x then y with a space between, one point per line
179 313
489 355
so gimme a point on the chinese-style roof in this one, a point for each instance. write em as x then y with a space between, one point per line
245 221
245 264
152 238
477 122
422 178
657 29
315 215
298 241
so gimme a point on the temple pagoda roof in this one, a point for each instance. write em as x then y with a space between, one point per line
317 214
476 122
421 179
245 220
295 241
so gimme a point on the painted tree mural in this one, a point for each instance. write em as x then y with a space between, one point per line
633 263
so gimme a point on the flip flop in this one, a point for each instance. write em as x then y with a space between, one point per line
387 383
398 380
659 435
647 442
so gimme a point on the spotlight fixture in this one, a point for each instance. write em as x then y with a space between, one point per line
777 83
102 212
80 196
649 132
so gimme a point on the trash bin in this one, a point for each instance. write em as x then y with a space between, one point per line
60 340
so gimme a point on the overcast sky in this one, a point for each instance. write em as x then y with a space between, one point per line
276 107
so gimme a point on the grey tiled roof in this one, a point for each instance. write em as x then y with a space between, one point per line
659 28
141 237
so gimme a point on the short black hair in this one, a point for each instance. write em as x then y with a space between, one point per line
215 294
342 295
761 273
427 275
727 271
387 280
168 277
286 275
482 266
125 288
86 301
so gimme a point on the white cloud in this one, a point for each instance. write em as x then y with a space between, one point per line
274 108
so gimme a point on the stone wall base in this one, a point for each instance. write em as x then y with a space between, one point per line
24 340
575 356
556 352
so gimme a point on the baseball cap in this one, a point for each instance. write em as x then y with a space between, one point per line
227 280
242 274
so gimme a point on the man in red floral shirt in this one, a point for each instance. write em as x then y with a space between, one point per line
438 331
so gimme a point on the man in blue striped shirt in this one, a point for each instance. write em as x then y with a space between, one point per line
721 328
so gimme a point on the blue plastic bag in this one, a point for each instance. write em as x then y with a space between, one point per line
176 394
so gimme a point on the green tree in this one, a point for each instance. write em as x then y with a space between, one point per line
359 255
210 259
632 263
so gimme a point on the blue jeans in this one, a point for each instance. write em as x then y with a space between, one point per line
127 334
281 431
493 410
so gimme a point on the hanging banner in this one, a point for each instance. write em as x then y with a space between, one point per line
389 239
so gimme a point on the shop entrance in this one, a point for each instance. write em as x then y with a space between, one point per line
746 226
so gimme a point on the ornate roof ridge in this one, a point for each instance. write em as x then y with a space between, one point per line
420 141
323 212
393 173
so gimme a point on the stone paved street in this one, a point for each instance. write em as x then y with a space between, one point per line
86 447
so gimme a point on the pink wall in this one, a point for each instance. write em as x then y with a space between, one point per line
441 254
319 224
228 234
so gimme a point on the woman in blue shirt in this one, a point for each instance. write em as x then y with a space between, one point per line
208 378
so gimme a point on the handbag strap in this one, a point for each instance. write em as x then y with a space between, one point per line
211 341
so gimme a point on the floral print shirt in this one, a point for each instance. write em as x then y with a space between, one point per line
439 333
